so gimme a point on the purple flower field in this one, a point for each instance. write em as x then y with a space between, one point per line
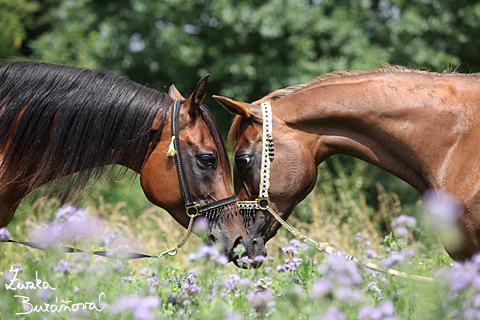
295 282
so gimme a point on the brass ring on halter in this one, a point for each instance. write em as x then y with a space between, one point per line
263 203
194 209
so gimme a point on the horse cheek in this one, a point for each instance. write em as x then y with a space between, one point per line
159 181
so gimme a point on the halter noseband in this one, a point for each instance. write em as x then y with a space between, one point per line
226 205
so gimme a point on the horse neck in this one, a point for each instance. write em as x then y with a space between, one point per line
405 123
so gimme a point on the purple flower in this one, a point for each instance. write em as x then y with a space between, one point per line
63 266
222 259
140 308
268 269
443 208
48 235
320 288
259 259
109 236
230 315
152 281
387 308
231 281
200 226
410 253
371 253
358 236
180 313
332 314
401 232
394 258
244 260
244 282
404 221
292 264
191 288
376 291
281 268
384 311
369 312
341 270
289 249
261 300
4 234
129 279
72 223
209 253
100 259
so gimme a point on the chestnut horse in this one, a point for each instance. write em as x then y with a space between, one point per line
422 127
58 120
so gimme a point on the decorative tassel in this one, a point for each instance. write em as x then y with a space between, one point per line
171 152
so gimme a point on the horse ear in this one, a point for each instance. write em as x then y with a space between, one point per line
198 95
174 93
236 107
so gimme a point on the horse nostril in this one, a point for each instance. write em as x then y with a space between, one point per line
211 239
238 241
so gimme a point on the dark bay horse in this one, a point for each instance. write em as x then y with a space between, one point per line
58 120
422 127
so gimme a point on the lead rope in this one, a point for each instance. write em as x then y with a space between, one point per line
263 203
188 233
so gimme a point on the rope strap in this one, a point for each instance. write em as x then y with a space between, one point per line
325 247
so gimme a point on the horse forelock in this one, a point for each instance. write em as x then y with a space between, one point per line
87 119
213 127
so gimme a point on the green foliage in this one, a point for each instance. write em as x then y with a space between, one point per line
250 48
15 17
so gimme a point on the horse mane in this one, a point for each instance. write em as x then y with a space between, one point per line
78 120
233 134
386 68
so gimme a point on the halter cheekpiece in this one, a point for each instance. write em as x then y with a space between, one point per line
263 200
210 210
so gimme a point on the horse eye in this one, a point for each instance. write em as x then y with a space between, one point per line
207 159
242 161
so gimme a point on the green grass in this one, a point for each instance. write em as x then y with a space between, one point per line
315 287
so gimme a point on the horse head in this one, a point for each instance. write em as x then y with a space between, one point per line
206 166
293 171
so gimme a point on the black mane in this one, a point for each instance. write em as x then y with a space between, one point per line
84 119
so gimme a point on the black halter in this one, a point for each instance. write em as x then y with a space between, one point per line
192 209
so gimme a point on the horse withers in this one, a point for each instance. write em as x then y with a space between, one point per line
423 127
58 120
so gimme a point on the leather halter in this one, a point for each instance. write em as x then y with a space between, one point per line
263 200
192 209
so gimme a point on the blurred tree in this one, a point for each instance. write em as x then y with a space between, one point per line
15 18
252 47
